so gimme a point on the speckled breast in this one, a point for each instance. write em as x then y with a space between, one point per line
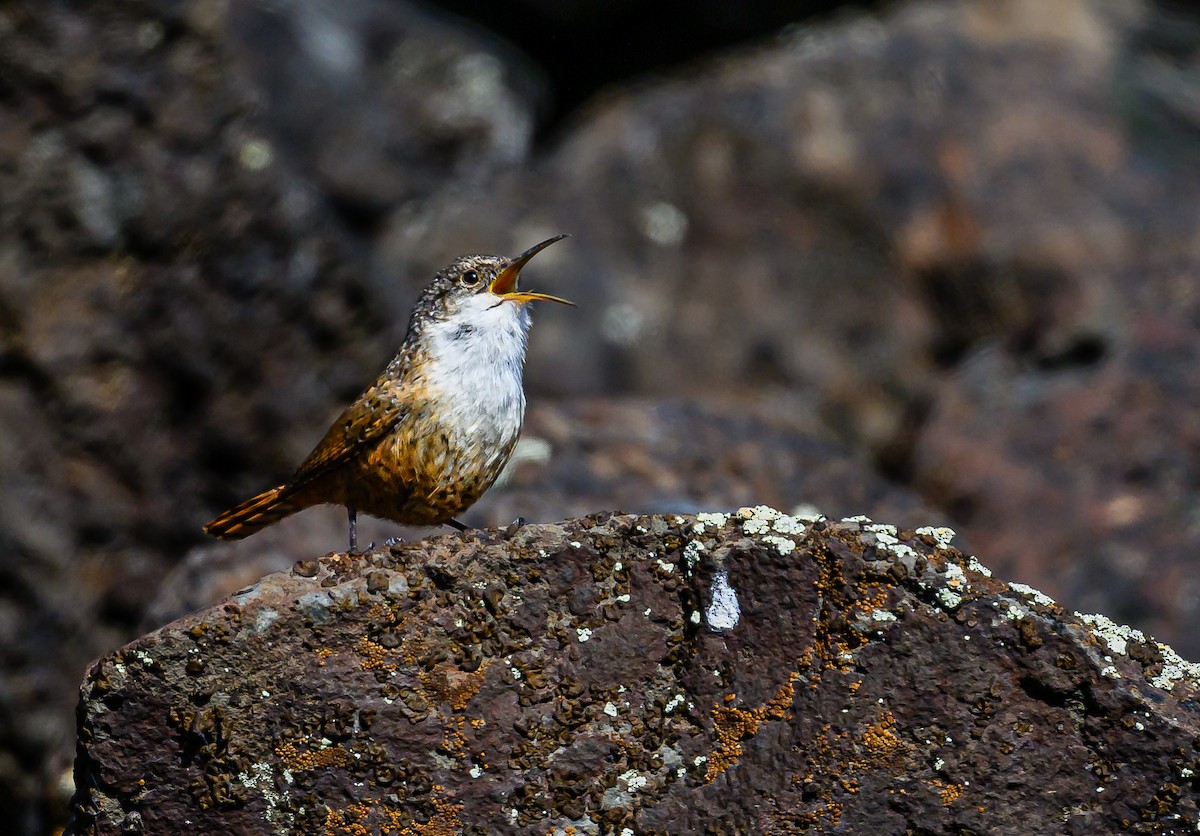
436 464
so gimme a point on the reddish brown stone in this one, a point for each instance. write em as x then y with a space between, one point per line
743 674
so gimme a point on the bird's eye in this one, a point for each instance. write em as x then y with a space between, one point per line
469 279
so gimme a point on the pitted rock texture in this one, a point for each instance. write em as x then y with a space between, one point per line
711 673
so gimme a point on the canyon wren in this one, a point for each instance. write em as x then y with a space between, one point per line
435 429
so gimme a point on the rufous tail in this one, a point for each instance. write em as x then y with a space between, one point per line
268 508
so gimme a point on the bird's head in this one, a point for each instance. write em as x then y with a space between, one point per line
482 287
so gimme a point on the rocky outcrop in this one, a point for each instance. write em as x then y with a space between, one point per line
642 674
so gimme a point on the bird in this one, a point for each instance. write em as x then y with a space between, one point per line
433 432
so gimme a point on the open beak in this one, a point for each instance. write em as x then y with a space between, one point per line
505 283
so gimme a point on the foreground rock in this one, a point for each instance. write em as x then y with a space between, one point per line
677 673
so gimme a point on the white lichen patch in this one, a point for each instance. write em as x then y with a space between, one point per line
758 512
476 771
883 616
782 544
857 518
942 536
633 779
949 598
1174 669
1038 596
583 633
692 552
1013 611
674 703
789 525
955 576
610 709
259 778
716 520
755 527
975 566
1117 638
885 540
723 611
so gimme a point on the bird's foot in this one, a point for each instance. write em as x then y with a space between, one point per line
456 524
519 522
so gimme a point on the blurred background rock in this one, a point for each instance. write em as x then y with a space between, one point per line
931 261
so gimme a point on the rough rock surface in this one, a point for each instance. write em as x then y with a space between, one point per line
644 674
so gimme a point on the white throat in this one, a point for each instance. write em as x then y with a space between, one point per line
476 362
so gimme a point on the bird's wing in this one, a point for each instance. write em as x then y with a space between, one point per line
370 418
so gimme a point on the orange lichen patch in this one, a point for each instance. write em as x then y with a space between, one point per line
881 740
733 725
321 758
375 656
322 653
949 792
820 818
454 740
870 598
449 684
831 773
441 814
445 820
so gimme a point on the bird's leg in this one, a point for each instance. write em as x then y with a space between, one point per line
457 524
352 512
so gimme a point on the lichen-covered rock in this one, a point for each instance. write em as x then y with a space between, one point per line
622 674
